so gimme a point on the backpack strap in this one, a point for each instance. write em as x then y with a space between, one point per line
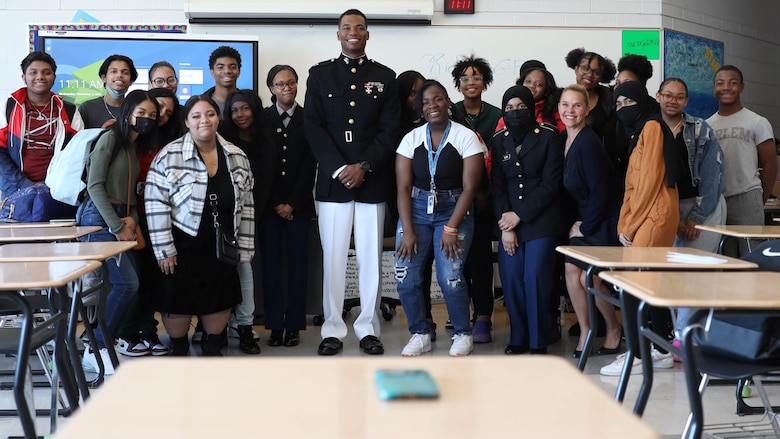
70 109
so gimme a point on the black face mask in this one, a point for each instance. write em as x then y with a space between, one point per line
144 125
517 118
628 116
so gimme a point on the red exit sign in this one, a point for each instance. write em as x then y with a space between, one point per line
459 6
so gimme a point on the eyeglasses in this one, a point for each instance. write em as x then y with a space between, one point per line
465 79
668 97
171 80
585 68
282 85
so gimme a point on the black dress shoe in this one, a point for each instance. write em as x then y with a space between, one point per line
371 345
330 346
291 338
276 338
577 353
515 350
607 351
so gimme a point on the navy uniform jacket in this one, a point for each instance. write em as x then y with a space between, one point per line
294 172
529 182
352 115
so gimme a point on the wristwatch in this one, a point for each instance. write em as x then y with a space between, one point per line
365 166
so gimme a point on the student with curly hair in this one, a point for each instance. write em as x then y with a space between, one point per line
592 71
472 76
633 68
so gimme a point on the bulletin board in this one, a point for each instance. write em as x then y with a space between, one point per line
34 29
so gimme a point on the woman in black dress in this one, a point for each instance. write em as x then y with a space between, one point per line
195 183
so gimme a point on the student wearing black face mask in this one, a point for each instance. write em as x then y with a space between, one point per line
111 204
650 213
526 178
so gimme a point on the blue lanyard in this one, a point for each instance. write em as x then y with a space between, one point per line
433 161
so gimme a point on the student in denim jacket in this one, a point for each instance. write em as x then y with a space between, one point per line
701 172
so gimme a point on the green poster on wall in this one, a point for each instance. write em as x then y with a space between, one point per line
642 42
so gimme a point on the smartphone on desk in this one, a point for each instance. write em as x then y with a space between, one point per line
405 384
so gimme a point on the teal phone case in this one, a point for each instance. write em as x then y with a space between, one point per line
405 384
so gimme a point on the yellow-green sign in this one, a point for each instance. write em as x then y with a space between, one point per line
642 42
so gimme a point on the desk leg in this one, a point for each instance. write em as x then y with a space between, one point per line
722 243
647 360
108 337
21 373
692 377
592 317
73 352
629 304
62 367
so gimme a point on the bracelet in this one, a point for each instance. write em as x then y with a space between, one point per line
447 232
448 229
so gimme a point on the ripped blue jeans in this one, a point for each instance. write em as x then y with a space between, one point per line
449 273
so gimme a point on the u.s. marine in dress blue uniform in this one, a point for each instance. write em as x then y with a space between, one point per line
352 116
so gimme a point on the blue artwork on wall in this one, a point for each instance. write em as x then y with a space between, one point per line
695 60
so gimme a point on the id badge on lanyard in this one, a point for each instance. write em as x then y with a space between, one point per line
433 161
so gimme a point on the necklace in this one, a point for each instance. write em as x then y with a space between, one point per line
676 127
109 111
40 111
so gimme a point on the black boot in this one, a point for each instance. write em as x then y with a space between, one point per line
180 346
246 340
210 345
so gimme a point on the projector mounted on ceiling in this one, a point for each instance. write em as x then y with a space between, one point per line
306 11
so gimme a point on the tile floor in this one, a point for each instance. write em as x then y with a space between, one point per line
666 412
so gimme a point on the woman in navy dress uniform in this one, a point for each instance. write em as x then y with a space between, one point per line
284 223
527 174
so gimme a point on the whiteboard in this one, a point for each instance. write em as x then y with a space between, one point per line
433 50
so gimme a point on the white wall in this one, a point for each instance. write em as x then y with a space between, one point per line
750 38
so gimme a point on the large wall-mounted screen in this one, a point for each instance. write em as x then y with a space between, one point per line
79 54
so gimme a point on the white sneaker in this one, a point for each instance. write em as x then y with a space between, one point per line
418 345
90 364
131 348
615 368
462 345
660 361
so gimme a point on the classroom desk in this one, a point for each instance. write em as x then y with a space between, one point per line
74 251
599 258
45 233
41 275
771 208
54 223
307 397
63 251
21 276
755 290
745 232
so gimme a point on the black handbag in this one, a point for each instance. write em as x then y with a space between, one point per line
749 338
227 246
